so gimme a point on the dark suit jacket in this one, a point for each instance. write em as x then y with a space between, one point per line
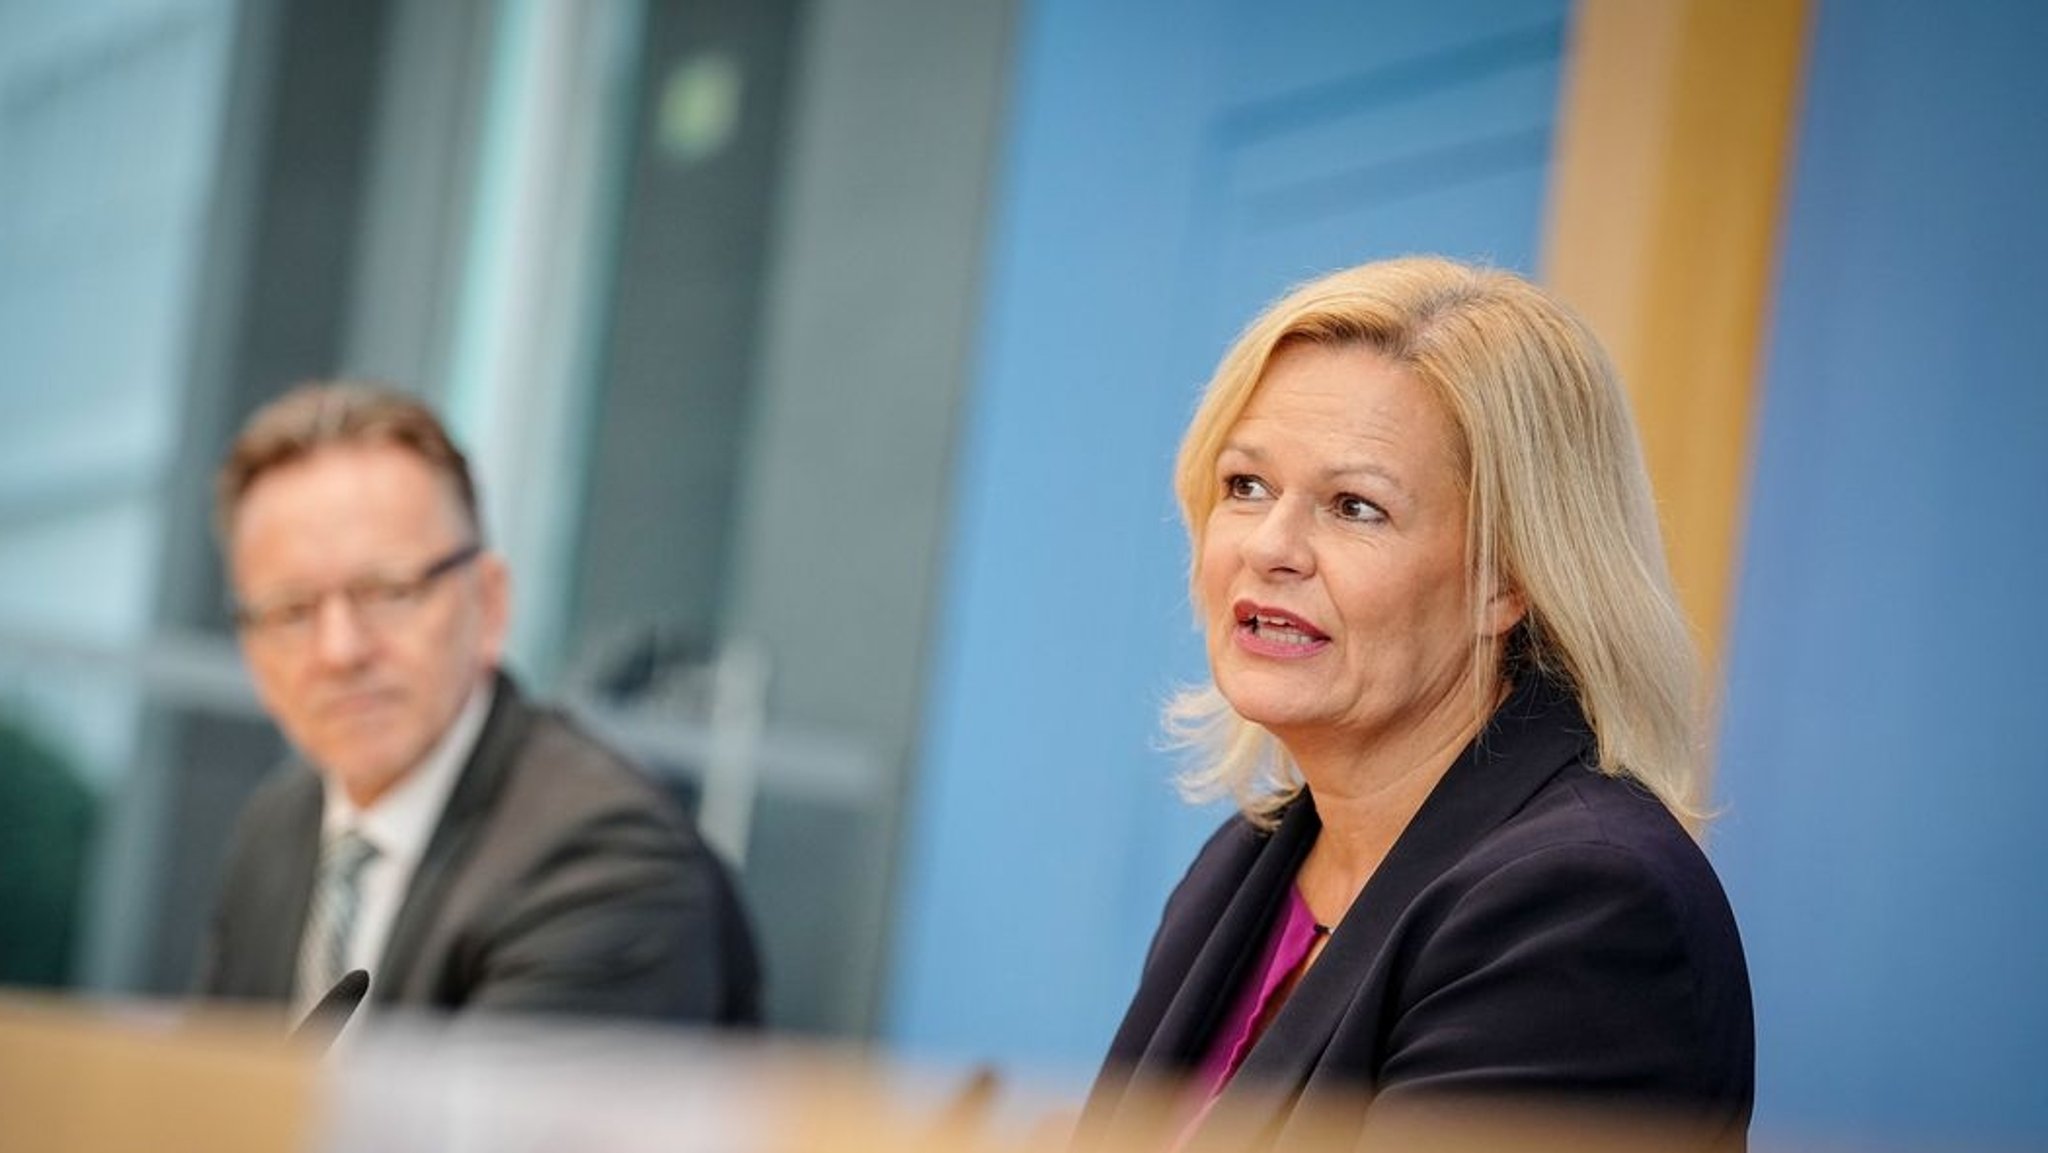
559 879
1540 932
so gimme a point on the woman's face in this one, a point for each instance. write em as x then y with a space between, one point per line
1333 576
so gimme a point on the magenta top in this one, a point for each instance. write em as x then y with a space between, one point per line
1286 948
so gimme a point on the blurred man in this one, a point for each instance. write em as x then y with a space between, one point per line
470 850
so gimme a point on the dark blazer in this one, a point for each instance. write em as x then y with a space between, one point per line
1540 933
559 879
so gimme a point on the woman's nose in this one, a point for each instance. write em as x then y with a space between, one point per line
1280 544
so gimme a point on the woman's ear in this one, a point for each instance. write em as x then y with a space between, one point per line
1504 610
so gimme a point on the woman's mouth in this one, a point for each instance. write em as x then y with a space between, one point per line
1276 632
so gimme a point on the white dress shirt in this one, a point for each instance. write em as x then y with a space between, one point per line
399 824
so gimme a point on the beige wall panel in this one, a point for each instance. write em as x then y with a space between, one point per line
1673 144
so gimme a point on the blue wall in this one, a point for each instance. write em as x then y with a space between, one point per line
1886 783
1170 167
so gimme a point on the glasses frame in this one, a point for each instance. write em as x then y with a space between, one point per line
294 616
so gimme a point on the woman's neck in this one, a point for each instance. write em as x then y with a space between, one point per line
1367 795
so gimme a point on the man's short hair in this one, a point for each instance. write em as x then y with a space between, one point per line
326 414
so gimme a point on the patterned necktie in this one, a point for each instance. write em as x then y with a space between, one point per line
331 920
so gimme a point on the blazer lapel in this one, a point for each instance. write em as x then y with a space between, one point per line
275 955
462 822
1522 747
1223 962
1208 942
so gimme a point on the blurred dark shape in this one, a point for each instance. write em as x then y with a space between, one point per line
47 816
327 1018
662 665
970 1109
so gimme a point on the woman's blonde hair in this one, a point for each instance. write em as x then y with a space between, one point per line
1558 508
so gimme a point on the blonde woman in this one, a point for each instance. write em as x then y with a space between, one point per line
1453 699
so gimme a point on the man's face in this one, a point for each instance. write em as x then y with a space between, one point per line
363 663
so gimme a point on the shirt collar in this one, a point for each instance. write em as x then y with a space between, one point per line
400 822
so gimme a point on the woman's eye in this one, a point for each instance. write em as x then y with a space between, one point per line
1241 487
1348 507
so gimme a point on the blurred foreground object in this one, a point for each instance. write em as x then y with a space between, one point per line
85 1079
80 1079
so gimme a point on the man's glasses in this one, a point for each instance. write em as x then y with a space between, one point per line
377 602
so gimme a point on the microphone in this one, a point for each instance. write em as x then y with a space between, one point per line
324 1022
